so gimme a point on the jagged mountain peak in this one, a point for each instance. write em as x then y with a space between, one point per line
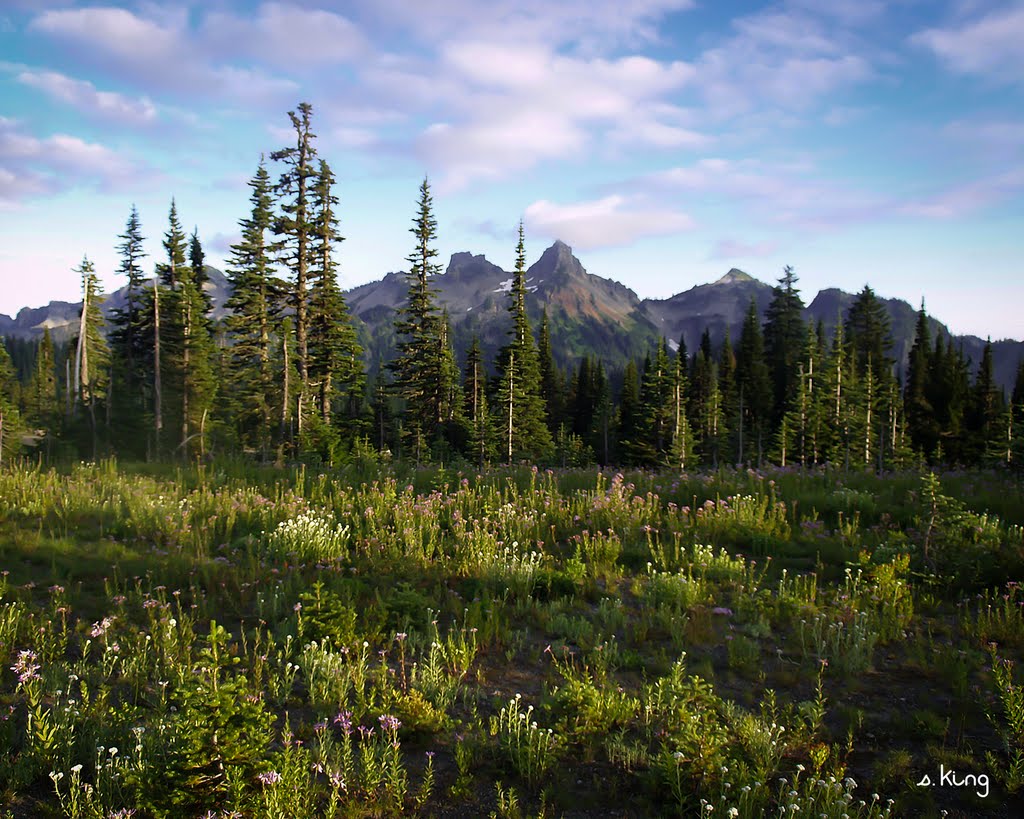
735 275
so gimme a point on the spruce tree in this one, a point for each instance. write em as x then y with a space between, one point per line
681 450
480 431
417 367
42 401
784 338
251 322
92 355
984 410
128 342
754 388
294 228
335 364
197 261
10 419
551 381
727 384
919 411
525 429
630 425
869 335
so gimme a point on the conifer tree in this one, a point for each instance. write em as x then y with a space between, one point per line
251 323
919 411
197 261
869 334
295 229
784 337
335 365
10 418
838 383
478 420
681 450
526 431
128 341
551 381
187 346
449 436
417 367
42 401
984 410
727 384
656 404
754 388
92 355
630 428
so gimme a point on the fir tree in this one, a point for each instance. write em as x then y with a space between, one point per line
630 425
920 413
10 419
784 337
295 229
43 402
681 450
480 437
197 261
252 319
728 386
869 336
754 388
417 367
551 381
128 336
335 355
985 410
92 356
526 432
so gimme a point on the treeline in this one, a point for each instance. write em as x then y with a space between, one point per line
281 376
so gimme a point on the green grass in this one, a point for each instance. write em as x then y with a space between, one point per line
246 638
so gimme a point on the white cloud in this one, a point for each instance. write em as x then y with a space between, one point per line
589 25
738 249
787 57
510 109
85 97
34 166
608 222
989 46
158 52
285 35
957 201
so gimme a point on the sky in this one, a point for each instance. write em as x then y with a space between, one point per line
666 141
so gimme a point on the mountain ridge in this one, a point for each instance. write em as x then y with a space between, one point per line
588 314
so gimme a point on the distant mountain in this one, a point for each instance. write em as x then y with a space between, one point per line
61 317
719 306
588 314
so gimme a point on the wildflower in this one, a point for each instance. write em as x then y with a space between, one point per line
269 777
26 666
389 723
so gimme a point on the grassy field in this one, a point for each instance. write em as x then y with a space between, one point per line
229 641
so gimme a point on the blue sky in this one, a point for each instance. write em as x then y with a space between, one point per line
860 141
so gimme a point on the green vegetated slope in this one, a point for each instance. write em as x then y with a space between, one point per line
372 642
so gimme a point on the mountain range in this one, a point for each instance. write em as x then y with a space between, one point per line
587 314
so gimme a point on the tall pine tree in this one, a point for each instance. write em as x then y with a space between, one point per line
295 228
784 339
417 367
521 403
252 321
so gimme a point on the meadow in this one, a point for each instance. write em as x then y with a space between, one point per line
378 640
